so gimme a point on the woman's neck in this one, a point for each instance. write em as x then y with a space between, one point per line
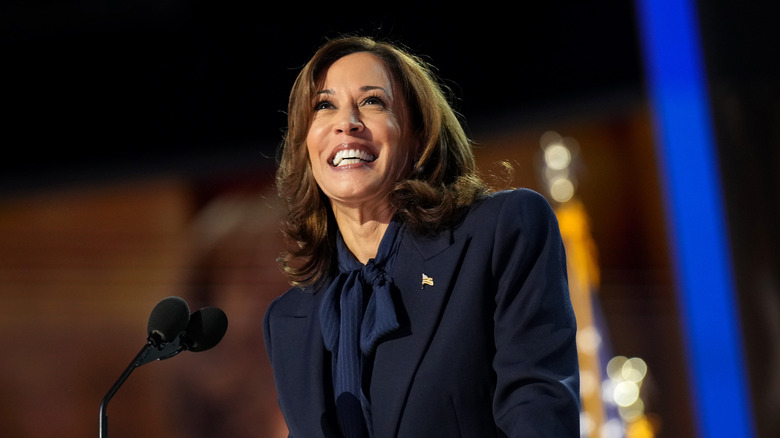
362 230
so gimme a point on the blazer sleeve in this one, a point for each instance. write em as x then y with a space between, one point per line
537 387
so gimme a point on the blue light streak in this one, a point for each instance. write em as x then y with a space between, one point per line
677 86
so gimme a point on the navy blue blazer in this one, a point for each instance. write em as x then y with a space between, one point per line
487 350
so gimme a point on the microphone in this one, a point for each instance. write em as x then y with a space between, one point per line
168 318
171 329
206 328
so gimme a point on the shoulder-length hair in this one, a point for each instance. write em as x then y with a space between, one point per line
442 182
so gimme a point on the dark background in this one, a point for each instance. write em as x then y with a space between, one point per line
92 88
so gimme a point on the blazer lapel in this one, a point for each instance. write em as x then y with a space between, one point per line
419 306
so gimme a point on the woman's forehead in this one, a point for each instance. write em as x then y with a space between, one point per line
360 70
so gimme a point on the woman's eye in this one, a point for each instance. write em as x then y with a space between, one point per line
323 104
374 100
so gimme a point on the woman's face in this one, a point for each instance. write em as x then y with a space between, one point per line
359 142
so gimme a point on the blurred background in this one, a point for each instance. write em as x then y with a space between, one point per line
139 143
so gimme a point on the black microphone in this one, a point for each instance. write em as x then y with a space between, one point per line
206 328
168 319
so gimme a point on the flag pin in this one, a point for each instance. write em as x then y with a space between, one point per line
426 280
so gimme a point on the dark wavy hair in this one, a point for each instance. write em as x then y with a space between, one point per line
442 182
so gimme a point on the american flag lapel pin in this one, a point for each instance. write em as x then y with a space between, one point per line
426 280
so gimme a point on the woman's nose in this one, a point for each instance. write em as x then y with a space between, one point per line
349 121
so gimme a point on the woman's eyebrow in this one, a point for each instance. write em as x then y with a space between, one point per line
372 88
363 89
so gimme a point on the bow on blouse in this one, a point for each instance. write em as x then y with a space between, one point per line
352 328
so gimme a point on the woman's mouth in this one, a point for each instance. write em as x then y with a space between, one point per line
345 157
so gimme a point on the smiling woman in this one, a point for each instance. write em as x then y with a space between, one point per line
360 145
422 304
399 89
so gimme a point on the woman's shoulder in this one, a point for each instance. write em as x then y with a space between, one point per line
516 209
521 194
522 201
293 301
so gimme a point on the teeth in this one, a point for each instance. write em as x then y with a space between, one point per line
351 156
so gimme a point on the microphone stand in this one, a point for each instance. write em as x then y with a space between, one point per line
150 352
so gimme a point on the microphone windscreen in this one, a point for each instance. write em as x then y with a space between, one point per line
206 328
168 319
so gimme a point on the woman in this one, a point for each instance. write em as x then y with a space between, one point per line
422 305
